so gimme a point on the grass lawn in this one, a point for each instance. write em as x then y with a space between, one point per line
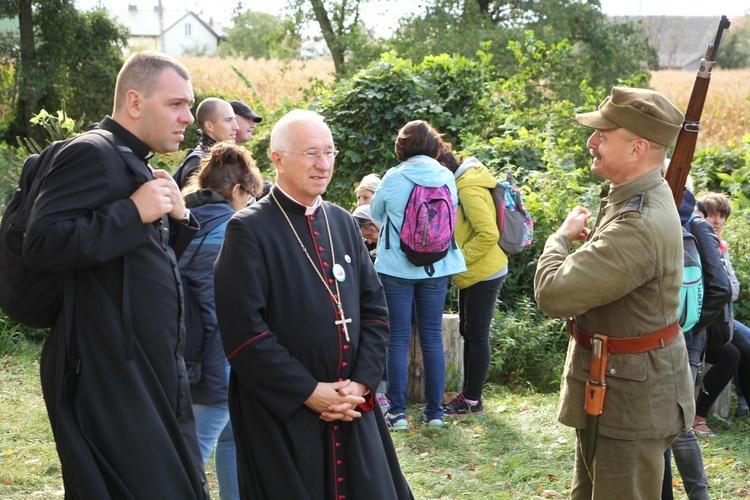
516 450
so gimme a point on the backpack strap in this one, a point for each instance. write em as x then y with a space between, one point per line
388 232
144 175
127 154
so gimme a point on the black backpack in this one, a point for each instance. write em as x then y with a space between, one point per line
32 298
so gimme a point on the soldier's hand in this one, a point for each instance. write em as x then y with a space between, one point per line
575 224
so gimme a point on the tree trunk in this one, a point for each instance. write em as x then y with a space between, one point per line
332 40
26 91
454 360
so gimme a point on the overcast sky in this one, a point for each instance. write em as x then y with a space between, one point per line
385 13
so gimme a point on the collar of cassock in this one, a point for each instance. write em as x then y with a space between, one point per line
309 210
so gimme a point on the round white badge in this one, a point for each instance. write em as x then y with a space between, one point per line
339 273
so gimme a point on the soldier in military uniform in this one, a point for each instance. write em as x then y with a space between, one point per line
623 283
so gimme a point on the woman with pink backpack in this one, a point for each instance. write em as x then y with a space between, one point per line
416 257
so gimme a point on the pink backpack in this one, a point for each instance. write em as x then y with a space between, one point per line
427 231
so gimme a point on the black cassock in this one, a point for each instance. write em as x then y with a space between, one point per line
123 426
278 326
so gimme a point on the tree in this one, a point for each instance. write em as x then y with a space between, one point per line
351 45
259 35
603 52
735 47
65 54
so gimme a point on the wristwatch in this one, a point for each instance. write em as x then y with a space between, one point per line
186 217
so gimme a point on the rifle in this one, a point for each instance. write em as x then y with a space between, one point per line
682 156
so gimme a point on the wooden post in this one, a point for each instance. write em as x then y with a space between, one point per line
454 359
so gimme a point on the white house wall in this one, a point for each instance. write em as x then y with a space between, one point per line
189 35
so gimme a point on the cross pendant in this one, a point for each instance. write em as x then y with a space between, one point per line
343 321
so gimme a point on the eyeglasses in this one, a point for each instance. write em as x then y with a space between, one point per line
368 229
314 154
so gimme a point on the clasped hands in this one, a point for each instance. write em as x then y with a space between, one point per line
337 400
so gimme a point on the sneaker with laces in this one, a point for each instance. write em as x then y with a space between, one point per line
383 402
396 422
432 422
742 408
459 407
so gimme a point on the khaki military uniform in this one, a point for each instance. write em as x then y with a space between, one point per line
624 281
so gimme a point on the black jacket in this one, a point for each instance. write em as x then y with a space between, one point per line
717 290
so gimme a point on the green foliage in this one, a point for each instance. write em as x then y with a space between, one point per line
258 35
11 159
735 47
366 111
348 41
78 55
58 127
727 170
528 348
602 52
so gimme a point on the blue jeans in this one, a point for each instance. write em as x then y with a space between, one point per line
686 449
476 308
428 297
214 428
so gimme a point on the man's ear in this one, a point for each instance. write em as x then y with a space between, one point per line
640 148
275 157
133 104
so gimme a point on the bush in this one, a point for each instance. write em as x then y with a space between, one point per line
11 160
727 170
528 348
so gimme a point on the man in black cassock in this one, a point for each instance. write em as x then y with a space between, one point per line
304 323
122 422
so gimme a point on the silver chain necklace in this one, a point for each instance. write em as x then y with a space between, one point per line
337 297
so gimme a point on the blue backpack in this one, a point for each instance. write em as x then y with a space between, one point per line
427 230
514 222
691 293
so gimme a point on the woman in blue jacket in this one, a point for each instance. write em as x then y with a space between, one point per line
226 181
407 285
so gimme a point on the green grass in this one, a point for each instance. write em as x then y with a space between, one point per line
516 450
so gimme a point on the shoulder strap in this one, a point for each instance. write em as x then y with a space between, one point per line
140 169
127 154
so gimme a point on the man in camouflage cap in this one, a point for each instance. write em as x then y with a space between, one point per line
623 283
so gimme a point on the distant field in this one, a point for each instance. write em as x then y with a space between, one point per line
272 82
726 114
725 119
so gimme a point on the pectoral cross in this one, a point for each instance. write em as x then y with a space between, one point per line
343 321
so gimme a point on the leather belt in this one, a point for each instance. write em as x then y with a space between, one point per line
629 345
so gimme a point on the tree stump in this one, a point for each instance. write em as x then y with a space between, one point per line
454 359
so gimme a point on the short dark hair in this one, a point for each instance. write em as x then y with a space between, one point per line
141 72
716 203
